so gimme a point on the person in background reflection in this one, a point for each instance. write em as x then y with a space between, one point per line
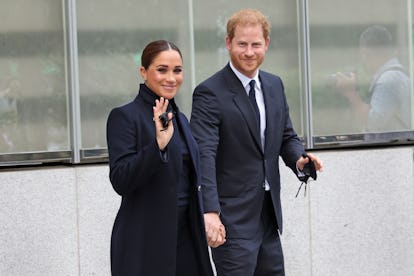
8 115
159 228
389 105
240 144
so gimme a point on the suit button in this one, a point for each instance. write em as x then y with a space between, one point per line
199 188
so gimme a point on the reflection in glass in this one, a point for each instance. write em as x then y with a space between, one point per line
33 96
388 103
360 69
109 55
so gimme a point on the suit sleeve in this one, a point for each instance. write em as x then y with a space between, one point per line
130 165
292 148
205 124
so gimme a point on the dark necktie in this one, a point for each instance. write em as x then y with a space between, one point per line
252 97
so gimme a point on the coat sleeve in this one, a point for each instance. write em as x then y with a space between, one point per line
131 165
205 124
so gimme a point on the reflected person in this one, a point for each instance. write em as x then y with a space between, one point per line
389 104
154 166
8 115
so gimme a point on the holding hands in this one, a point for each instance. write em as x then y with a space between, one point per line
215 231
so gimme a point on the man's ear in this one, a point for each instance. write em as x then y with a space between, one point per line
267 42
228 43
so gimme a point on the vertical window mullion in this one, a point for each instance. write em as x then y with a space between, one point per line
305 68
73 78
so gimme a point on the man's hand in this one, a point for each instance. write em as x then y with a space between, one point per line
346 84
346 81
215 231
316 160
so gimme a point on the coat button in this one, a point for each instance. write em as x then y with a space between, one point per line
199 188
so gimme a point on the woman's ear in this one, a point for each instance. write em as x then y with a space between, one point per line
143 73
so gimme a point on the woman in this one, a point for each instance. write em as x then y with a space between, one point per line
153 159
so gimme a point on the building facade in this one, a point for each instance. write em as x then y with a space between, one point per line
65 64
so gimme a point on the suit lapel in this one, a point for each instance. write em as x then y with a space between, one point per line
272 118
242 101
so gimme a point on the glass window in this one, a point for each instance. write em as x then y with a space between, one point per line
33 94
359 62
361 70
282 57
111 36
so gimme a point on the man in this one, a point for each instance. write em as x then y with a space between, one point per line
389 106
240 143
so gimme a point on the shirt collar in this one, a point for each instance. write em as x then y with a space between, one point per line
245 80
392 63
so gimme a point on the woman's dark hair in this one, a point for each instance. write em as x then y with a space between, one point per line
152 50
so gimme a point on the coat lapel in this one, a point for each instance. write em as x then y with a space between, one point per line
189 140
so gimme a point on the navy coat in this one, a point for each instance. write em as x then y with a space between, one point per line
144 236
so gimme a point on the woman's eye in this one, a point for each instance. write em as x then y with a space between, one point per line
162 70
178 70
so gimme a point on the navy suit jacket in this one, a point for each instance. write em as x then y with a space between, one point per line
233 164
144 235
